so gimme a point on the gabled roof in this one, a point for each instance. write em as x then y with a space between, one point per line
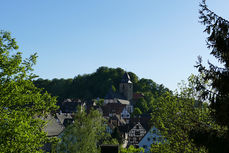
70 105
62 116
124 102
53 127
115 108
138 126
145 122
126 78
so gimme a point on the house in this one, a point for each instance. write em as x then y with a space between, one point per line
65 118
153 136
112 109
136 134
116 120
53 128
70 105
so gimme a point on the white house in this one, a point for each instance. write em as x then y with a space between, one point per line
153 136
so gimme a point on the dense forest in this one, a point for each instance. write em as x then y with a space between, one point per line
97 84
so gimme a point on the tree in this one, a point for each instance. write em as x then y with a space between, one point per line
136 112
116 134
85 134
132 149
21 103
142 105
218 76
176 116
97 84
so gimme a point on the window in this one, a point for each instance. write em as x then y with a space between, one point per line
137 127
137 139
154 139
148 138
144 146
137 132
154 131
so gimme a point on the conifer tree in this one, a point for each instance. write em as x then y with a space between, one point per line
217 29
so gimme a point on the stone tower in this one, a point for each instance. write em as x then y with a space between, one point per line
126 87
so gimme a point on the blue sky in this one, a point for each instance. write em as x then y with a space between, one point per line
155 39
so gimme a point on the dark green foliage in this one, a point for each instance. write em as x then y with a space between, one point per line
148 85
142 105
99 102
218 42
86 86
136 112
117 135
217 93
97 84
151 92
57 87
132 149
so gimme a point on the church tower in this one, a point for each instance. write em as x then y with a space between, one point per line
126 87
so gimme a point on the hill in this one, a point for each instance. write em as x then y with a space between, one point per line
97 84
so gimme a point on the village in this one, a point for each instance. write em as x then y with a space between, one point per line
117 109
114 76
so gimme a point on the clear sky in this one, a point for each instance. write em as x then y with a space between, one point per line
155 39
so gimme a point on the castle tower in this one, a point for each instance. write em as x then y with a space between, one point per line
126 86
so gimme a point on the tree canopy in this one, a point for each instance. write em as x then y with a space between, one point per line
21 103
217 93
176 116
97 84
86 134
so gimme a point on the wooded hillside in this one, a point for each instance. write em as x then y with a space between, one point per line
97 84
